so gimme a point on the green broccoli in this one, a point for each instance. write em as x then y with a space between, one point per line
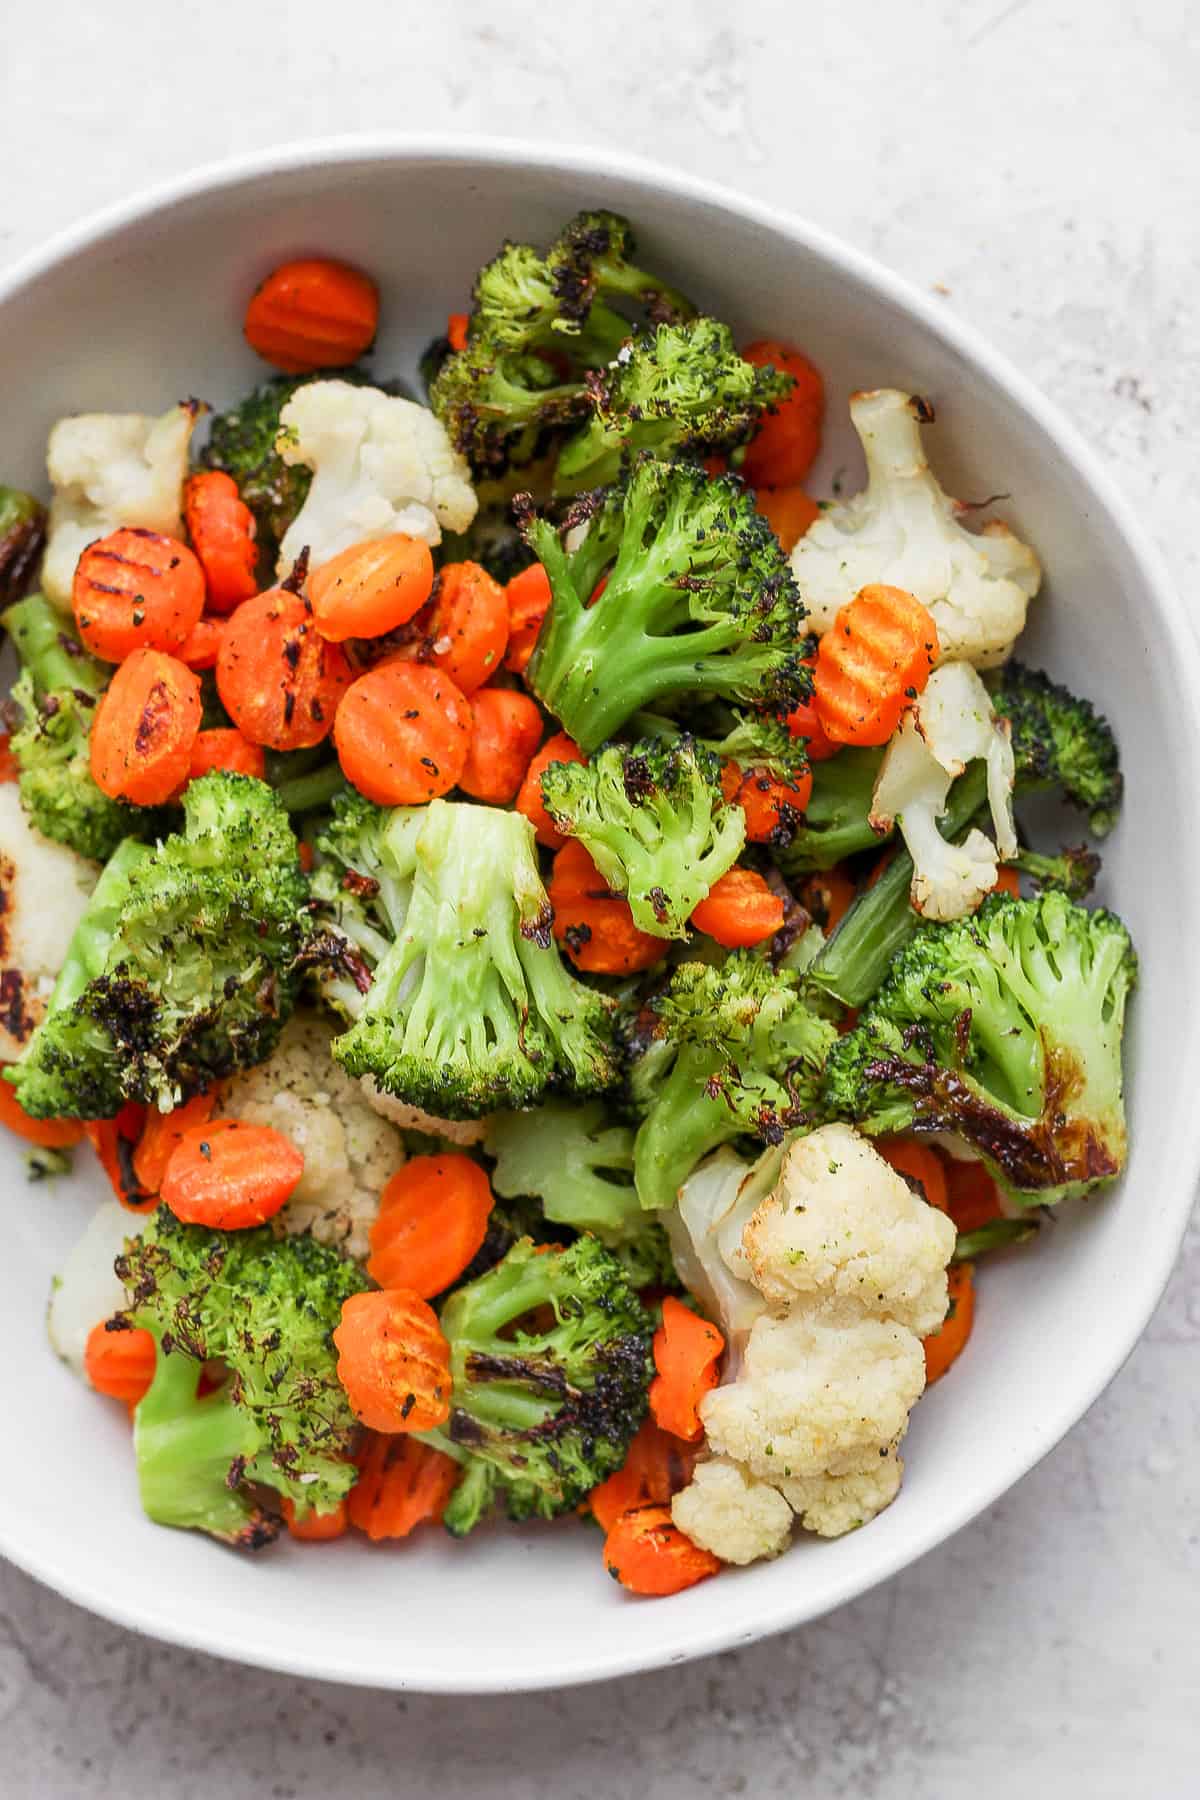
22 535
655 822
1072 872
182 969
265 1307
682 391
734 1051
699 601
837 819
579 1163
551 1366
1006 1030
1060 742
439 949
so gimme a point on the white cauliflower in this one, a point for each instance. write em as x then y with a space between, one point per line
44 889
111 469
949 725
87 1290
350 1152
380 464
727 1510
850 1270
705 1230
903 530
414 1118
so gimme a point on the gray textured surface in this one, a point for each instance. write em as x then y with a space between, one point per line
1037 161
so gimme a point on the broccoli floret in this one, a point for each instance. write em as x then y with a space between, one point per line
1005 1029
680 391
1061 742
1072 872
579 1163
551 1365
655 822
465 1005
735 1052
699 601
22 535
266 1308
182 969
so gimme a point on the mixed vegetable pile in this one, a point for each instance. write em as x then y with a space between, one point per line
527 907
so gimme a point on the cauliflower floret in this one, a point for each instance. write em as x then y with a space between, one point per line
832 1505
380 464
949 725
892 1256
87 1290
903 530
111 469
725 1510
44 889
705 1232
350 1152
463 1132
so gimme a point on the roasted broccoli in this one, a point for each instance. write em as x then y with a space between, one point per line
729 1052
265 1308
551 1366
837 819
699 601
438 946
182 968
22 535
1072 871
655 822
1005 1029
1060 742
680 391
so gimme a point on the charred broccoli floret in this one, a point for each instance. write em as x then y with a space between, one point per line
1071 872
22 535
1060 742
655 822
551 1365
699 602
682 391
182 968
265 1307
1006 1030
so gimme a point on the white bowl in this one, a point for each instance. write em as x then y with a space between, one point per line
143 307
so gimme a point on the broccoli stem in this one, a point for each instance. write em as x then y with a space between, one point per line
91 938
185 1449
53 655
997 1234
312 792
688 1122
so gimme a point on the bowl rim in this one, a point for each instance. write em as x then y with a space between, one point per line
596 166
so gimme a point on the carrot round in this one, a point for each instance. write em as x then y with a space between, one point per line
221 527
402 734
312 314
402 1483
1008 881
972 1197
558 749
656 1466
10 768
789 511
136 589
771 806
278 678
119 1363
49 1134
687 1350
371 588
739 910
787 443
594 925
950 1339
456 330
432 1219
314 1527
874 659
648 1554
802 722
225 748
920 1162
506 729
113 1141
466 631
202 645
161 1136
393 1362
528 596
145 728
229 1175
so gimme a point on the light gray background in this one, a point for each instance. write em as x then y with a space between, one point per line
1034 161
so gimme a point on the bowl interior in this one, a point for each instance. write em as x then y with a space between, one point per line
149 312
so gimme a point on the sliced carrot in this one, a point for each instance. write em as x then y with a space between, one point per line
393 1361
113 1141
972 1196
803 722
314 1527
279 680
222 529
772 806
456 330
789 511
881 865
787 443
371 588
161 1136
119 1362
136 589
921 1163
506 729
594 925
872 662
225 748
528 596
560 749
656 1466
10 768
402 733
949 1341
50 1134
402 1483
313 313
687 1350
202 646
432 1219
648 1554
465 626
1008 881
229 1175
145 728
740 910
